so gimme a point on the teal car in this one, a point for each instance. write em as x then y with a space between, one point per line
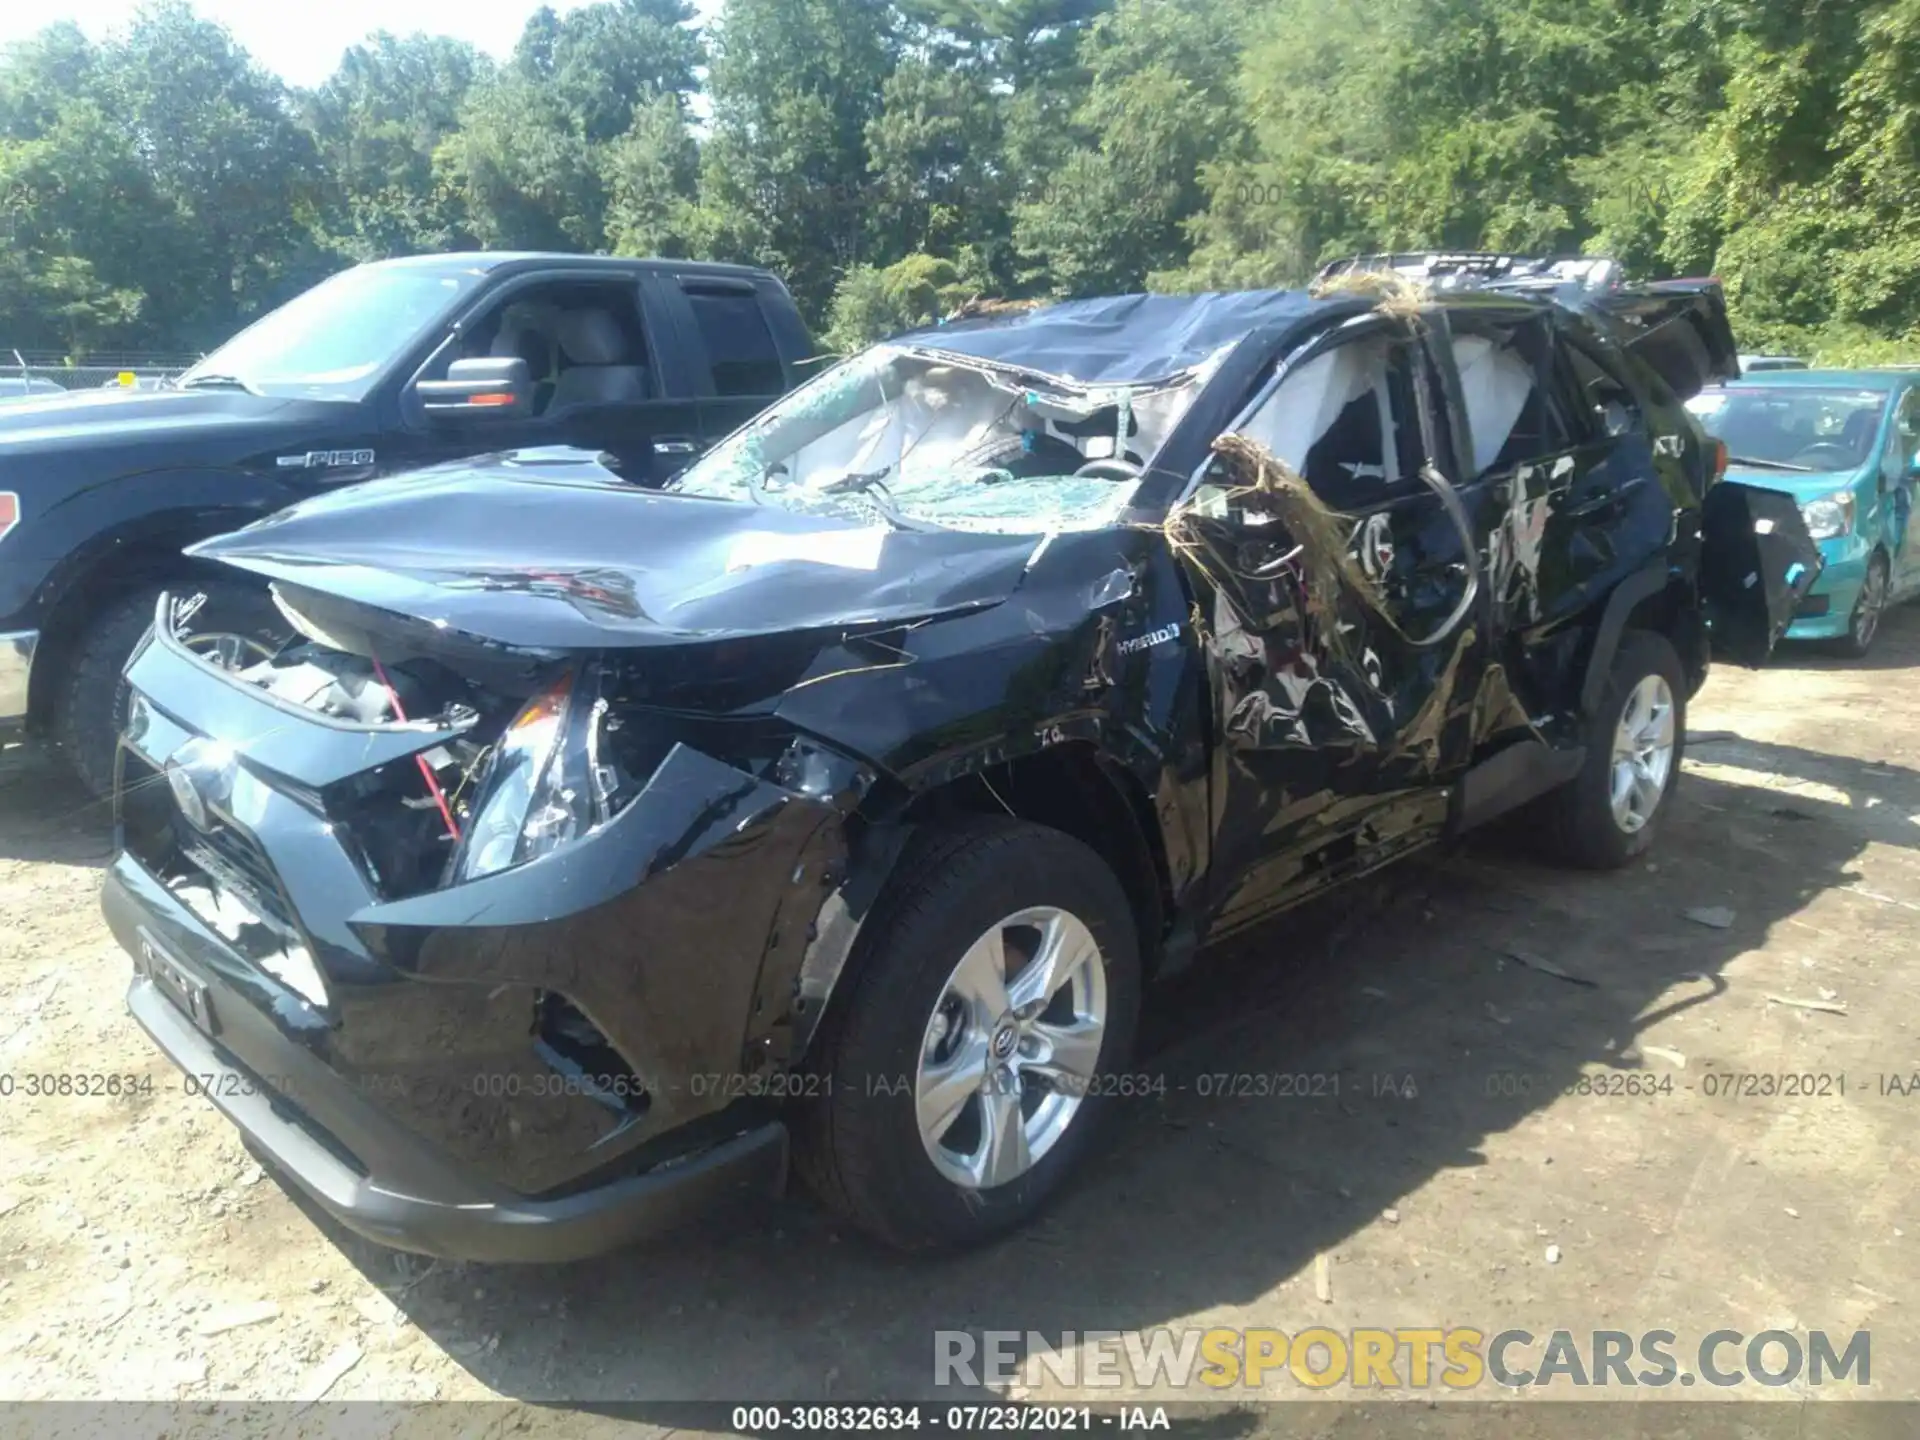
1843 443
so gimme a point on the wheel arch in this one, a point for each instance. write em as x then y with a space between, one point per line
1069 787
106 572
1654 599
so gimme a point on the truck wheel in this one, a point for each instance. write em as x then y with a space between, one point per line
1868 610
240 625
1610 811
997 983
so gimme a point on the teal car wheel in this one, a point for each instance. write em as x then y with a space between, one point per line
1871 605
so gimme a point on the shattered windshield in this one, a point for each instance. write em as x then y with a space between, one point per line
923 438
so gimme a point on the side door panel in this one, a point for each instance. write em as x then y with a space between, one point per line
733 362
1343 646
1757 564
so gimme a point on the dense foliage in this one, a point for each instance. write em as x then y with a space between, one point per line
895 157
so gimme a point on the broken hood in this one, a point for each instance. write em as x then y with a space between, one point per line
551 563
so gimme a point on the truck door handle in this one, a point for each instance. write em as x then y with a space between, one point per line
675 445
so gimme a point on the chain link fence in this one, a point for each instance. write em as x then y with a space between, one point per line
28 373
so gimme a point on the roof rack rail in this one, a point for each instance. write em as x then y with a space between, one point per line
1460 269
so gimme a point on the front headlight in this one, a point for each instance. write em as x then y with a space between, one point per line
546 783
1829 516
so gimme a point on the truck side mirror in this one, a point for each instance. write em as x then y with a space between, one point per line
498 388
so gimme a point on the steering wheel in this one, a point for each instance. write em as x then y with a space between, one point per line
1111 468
1826 449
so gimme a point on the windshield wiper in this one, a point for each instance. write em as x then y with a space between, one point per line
867 484
865 481
217 382
1756 463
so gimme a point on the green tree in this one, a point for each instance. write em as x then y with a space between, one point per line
520 171
934 151
600 62
784 179
872 303
376 123
652 176
1159 107
566 128
236 179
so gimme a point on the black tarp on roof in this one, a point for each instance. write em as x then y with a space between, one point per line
1117 339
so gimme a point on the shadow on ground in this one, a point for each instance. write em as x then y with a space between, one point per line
1402 984
1203 1199
48 816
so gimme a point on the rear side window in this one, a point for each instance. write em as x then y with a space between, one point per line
739 345
1510 381
1605 405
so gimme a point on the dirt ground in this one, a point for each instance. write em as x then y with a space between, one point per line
143 1255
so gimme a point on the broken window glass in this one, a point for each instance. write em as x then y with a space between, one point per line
1607 406
916 436
1346 421
1507 384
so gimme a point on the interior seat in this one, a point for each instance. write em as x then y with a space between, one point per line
599 368
521 337
1859 432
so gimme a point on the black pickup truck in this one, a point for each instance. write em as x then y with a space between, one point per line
386 367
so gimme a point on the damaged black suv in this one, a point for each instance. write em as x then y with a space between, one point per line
590 847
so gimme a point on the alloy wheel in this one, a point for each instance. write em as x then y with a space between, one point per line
1009 1053
1872 603
1643 745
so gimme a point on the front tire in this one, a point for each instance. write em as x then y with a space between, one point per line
90 709
995 988
1868 610
1611 811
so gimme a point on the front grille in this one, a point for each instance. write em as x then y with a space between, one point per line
1813 607
235 862
160 838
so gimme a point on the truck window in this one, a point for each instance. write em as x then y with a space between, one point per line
739 345
584 343
1346 420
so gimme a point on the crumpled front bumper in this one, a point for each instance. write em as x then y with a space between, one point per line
372 1174
389 1054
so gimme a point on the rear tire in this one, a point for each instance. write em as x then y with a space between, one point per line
1610 812
883 1141
90 709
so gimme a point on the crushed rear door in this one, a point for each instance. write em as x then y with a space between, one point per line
1757 564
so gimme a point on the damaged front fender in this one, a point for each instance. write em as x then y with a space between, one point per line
677 931
540 1024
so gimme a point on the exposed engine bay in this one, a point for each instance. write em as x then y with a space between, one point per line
534 751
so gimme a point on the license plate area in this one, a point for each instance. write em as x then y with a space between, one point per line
177 983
